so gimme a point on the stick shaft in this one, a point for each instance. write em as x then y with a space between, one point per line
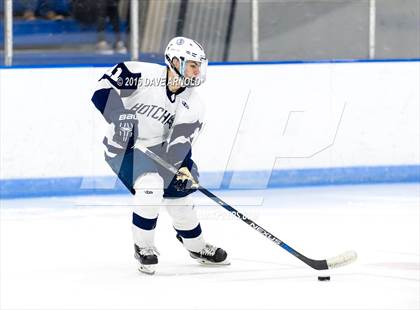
316 264
312 263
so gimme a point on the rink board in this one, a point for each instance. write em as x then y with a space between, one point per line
267 125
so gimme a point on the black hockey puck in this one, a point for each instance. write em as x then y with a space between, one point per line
326 278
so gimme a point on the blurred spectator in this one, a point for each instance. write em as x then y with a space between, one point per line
48 9
108 9
98 12
30 9
26 8
84 11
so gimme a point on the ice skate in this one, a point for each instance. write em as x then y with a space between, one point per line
209 255
147 259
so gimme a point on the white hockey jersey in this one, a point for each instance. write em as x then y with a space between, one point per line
163 117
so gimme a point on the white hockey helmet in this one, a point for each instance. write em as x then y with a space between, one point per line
184 50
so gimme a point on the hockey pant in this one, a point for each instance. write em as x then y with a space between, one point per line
145 181
148 200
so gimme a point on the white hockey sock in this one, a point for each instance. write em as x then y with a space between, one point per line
148 199
185 222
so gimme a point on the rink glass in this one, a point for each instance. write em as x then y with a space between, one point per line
69 32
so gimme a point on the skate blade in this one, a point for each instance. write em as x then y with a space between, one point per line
147 269
208 263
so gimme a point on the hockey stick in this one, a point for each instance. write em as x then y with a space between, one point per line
334 262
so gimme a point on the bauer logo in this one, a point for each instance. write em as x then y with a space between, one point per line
124 117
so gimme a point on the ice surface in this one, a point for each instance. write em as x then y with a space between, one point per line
77 252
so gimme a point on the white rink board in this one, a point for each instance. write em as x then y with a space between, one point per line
288 116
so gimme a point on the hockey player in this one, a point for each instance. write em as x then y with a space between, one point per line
158 107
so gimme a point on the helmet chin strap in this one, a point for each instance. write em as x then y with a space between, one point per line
174 68
180 76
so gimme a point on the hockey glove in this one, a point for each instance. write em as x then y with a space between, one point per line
184 181
126 129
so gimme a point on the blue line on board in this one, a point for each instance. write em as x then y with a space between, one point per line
69 186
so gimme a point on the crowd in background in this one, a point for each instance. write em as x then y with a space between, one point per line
287 30
89 13
49 9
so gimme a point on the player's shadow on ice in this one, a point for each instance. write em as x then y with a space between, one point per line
238 267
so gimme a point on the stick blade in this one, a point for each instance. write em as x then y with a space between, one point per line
342 259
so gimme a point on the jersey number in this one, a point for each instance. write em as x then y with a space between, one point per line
122 78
